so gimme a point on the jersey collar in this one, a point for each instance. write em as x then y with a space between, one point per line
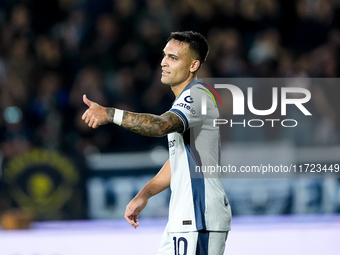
191 84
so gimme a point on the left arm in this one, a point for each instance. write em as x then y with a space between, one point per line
156 185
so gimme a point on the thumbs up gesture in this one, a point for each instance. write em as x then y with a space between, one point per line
95 115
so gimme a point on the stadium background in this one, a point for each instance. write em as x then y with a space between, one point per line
52 52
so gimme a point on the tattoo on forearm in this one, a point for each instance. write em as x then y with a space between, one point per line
152 125
111 113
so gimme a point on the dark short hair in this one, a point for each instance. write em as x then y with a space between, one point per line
197 43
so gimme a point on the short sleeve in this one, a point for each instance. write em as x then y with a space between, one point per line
188 108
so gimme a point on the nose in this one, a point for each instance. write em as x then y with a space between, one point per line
164 62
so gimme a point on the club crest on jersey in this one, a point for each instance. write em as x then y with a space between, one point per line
171 143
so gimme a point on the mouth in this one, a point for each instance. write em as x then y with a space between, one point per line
164 72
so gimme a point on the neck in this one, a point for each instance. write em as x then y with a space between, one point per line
177 89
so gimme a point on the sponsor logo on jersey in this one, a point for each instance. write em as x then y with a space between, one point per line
187 107
189 99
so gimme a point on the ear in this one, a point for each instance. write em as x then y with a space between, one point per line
195 64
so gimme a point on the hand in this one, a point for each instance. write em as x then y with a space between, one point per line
96 115
133 209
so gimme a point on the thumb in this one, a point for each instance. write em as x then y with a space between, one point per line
87 101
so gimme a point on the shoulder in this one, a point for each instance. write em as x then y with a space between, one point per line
192 91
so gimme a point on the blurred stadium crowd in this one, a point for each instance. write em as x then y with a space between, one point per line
52 52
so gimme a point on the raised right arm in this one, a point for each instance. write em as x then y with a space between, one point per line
141 123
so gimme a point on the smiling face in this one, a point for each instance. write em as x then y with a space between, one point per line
178 64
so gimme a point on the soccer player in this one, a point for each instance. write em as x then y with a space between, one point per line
199 211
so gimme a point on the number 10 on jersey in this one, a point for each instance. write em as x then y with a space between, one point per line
178 244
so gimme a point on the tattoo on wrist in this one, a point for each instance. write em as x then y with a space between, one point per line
110 113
